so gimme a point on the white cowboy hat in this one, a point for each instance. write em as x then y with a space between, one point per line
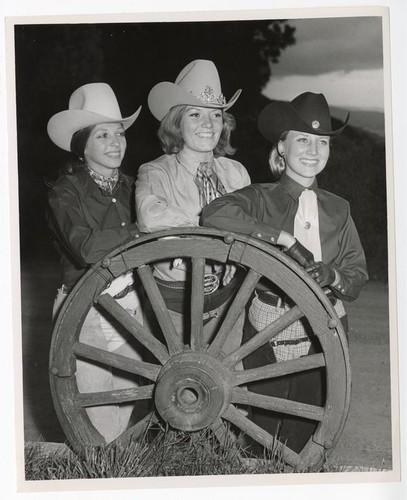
89 105
198 84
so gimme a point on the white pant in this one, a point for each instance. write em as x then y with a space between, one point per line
99 331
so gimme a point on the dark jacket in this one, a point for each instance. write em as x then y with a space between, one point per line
263 210
88 223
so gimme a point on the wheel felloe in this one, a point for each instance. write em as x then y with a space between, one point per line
193 389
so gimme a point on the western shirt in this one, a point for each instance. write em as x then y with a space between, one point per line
88 223
167 196
264 210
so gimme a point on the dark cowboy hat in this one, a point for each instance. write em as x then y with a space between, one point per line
308 112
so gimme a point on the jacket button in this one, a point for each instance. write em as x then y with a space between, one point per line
123 224
114 200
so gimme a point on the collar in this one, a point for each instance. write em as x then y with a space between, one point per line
190 162
106 184
294 189
91 186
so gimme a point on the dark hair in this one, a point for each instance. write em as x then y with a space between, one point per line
79 140
78 144
171 139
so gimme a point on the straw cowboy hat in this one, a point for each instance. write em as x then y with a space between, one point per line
308 112
198 85
89 105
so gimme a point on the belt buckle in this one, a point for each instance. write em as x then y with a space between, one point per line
211 283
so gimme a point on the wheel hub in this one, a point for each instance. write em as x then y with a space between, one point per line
192 390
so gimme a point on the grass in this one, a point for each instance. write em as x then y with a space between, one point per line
163 453
168 453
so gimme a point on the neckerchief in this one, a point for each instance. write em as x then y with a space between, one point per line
107 184
209 185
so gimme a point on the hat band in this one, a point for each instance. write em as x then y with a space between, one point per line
208 97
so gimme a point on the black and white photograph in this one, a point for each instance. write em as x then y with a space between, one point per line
204 269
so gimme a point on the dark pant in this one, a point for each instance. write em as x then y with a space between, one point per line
305 387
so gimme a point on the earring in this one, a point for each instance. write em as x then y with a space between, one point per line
280 149
282 162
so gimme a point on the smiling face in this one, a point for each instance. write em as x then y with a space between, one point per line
105 148
201 129
306 155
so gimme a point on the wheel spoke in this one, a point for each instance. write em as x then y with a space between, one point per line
136 430
115 396
147 370
279 405
235 310
221 432
134 327
160 309
264 336
261 436
197 303
274 370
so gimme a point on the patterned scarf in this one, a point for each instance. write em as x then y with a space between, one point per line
107 184
209 185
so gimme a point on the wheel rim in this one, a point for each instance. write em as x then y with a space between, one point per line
196 386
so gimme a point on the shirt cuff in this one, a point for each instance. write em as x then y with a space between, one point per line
337 284
265 233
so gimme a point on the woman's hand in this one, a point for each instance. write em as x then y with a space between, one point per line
228 274
321 273
300 254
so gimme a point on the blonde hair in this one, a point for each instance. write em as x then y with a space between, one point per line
277 161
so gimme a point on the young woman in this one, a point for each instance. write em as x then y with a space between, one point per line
171 190
91 213
293 210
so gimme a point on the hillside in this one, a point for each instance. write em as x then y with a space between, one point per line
372 121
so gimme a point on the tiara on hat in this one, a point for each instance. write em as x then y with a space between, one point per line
208 97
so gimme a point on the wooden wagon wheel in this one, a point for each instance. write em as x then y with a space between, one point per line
196 386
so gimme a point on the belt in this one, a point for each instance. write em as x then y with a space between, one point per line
125 291
176 294
66 289
271 299
275 343
212 281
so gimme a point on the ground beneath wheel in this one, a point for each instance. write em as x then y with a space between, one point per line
366 440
